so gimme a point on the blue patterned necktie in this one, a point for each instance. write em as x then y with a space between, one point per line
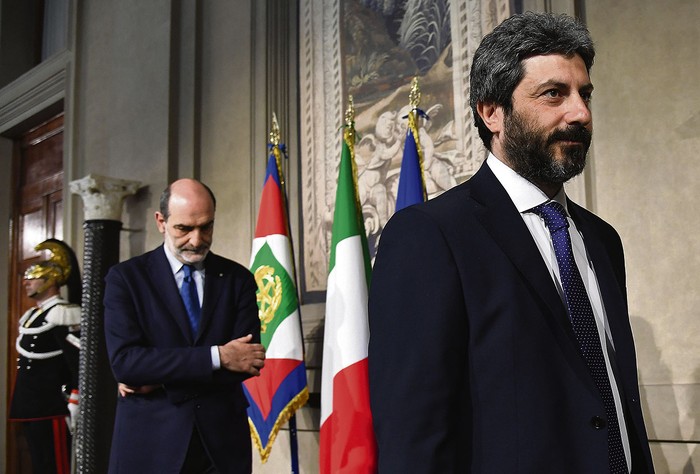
188 291
583 321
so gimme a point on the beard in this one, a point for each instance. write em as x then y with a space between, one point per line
532 153
193 255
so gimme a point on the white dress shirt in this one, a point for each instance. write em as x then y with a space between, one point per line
525 196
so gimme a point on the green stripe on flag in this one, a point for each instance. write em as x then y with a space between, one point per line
347 217
277 296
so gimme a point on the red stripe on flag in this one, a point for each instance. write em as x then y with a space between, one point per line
262 388
347 442
271 219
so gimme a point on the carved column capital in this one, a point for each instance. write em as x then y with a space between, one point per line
103 196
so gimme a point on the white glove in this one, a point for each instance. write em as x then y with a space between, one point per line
73 410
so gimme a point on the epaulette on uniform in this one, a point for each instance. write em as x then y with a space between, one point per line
64 315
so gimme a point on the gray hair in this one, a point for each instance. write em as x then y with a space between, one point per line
497 67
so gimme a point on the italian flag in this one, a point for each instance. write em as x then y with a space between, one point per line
347 442
281 388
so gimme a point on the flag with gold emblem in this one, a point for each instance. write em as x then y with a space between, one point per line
281 388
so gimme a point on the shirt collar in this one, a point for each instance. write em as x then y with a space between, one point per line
522 192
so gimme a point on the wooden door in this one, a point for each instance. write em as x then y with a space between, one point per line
36 216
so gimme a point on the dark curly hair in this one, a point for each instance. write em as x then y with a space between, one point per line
497 67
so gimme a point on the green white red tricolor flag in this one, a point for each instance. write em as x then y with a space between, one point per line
347 442
281 388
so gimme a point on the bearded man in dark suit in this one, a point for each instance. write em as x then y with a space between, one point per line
499 334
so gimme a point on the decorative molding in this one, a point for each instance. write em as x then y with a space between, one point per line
321 115
34 91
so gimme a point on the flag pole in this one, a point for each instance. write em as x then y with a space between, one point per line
414 97
293 445
275 137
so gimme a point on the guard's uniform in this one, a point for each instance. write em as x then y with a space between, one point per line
48 360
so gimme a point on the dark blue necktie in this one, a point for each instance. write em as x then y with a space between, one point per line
581 314
188 291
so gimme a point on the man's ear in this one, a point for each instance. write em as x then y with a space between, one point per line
160 221
492 115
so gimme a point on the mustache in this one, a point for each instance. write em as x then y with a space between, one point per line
198 249
571 134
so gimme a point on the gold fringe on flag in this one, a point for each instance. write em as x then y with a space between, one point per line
284 416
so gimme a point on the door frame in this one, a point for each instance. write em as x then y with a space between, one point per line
33 98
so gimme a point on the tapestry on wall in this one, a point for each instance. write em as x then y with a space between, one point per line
372 50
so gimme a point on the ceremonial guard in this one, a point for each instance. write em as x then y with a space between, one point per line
45 397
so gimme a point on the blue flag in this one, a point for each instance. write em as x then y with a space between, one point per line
411 183
411 187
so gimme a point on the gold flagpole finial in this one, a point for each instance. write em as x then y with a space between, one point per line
349 133
275 132
350 113
414 95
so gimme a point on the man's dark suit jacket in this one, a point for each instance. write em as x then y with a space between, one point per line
149 341
473 363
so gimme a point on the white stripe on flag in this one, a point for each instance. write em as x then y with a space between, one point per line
346 332
281 248
285 342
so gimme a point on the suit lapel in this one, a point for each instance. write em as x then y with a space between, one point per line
161 275
214 287
613 298
503 222
610 290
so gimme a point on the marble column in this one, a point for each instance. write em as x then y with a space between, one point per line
102 202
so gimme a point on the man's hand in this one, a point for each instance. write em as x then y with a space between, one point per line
126 390
240 355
